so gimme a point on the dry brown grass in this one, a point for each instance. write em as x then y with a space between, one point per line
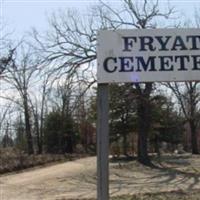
15 160
176 195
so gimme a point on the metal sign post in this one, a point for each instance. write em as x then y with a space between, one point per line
102 143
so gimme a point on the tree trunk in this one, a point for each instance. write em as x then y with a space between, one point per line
193 109
156 143
28 127
37 134
125 144
40 147
144 121
143 134
69 144
194 139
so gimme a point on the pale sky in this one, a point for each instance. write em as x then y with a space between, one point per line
20 15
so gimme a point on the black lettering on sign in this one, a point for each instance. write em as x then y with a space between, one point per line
149 64
146 43
126 64
178 42
165 63
182 60
163 41
195 41
196 62
106 67
128 43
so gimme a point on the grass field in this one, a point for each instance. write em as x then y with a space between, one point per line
175 195
175 165
193 195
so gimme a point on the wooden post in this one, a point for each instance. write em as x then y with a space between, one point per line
102 143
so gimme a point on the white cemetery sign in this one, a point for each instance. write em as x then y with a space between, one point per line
148 55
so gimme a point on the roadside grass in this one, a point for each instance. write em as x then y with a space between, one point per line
13 160
180 163
187 164
175 195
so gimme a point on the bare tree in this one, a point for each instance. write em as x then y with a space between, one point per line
197 17
38 104
139 15
18 75
71 44
188 97
6 48
5 109
6 60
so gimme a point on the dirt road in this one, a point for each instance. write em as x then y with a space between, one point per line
77 179
54 182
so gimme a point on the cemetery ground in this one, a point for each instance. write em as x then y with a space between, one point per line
174 177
